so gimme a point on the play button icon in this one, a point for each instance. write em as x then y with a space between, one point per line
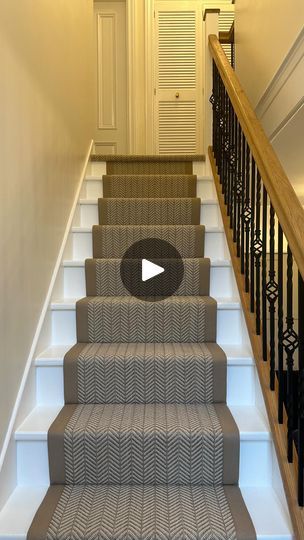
149 270
152 269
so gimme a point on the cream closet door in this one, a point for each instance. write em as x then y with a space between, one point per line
178 93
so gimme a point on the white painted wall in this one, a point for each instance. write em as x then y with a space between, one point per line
265 31
46 96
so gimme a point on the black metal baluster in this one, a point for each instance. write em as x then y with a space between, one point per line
290 342
264 271
235 178
239 189
258 246
243 203
301 392
232 168
247 217
222 131
252 234
226 129
280 325
272 295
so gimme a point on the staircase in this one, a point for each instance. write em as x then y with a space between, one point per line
153 424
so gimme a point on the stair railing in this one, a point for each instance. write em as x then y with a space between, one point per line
264 221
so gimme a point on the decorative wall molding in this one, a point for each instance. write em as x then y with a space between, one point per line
105 148
283 97
106 55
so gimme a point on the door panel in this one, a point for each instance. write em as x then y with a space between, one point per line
178 78
111 78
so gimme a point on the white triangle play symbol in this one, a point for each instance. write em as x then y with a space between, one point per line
150 270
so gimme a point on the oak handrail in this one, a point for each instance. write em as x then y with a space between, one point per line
227 37
281 193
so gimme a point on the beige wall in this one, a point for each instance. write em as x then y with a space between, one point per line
265 31
46 124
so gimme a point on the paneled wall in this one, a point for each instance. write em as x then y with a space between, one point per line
110 58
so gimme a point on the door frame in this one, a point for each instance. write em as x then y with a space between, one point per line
150 74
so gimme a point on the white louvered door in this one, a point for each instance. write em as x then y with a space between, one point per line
178 62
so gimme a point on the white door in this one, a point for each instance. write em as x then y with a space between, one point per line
111 77
178 86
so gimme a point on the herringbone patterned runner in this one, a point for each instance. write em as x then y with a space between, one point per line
145 373
129 319
103 277
177 211
138 185
144 513
112 241
144 444
145 447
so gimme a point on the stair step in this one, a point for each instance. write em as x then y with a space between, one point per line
128 211
256 466
269 516
145 373
93 185
209 212
147 158
241 375
222 282
103 277
116 164
174 319
135 443
112 241
156 185
229 321
215 243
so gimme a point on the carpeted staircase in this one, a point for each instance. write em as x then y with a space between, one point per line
145 447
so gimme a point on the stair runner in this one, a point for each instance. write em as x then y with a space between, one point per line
145 447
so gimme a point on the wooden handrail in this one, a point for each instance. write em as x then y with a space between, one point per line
227 37
281 193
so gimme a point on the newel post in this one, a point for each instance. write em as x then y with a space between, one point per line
211 26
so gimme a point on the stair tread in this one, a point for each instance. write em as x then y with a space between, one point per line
251 422
216 263
54 355
208 229
269 516
70 303
93 202
147 158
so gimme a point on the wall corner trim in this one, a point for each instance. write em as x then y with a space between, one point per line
278 91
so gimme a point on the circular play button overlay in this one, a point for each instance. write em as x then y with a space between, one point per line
152 269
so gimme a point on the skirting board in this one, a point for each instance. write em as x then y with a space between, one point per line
26 393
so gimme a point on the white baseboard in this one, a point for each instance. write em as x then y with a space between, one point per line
7 464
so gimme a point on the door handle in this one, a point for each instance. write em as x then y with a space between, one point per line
177 95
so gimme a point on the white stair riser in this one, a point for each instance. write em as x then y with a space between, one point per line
240 385
229 327
222 283
92 189
255 463
87 215
215 245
